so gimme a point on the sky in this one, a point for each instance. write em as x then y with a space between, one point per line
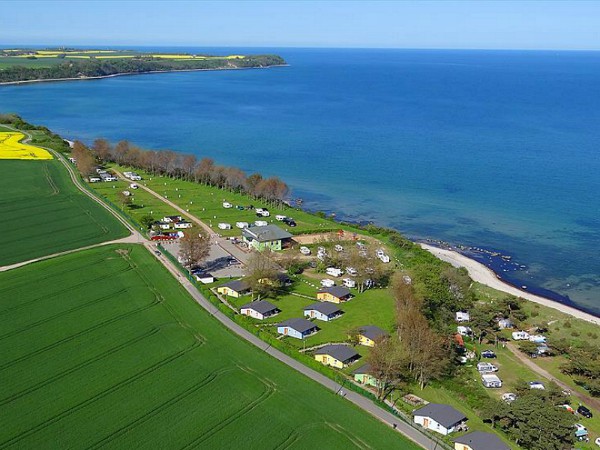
562 25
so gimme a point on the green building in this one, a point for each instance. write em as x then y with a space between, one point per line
269 237
362 375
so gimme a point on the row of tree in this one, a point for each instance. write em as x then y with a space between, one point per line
416 352
187 167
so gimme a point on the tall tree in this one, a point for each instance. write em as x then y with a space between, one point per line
389 365
261 274
102 149
194 247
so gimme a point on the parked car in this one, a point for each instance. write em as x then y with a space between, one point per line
509 397
227 205
305 250
585 412
488 354
597 442
289 222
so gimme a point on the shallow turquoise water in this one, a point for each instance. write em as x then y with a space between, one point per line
490 149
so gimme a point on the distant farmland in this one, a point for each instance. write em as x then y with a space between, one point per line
44 212
103 348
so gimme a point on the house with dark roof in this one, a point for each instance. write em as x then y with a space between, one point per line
370 334
324 311
443 419
363 375
479 440
336 355
234 288
281 279
334 294
259 309
297 328
269 237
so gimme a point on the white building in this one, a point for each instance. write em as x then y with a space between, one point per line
443 419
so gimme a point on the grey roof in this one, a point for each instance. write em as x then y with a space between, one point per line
260 306
237 285
364 369
300 325
326 308
266 234
372 332
445 415
479 440
337 291
342 353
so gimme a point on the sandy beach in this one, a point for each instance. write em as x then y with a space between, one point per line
481 274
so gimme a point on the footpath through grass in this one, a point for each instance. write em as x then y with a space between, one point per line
45 213
105 348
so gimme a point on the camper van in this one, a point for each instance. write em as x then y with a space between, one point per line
224 226
349 282
241 224
334 271
227 205
261 223
305 250
491 381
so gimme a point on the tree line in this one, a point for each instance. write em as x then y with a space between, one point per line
181 166
140 64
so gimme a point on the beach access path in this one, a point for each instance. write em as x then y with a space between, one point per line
482 274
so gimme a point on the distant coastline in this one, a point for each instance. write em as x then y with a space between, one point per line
42 80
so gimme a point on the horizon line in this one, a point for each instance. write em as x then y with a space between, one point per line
98 46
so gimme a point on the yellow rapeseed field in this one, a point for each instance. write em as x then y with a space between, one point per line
12 148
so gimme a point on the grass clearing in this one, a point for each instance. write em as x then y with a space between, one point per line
47 213
105 348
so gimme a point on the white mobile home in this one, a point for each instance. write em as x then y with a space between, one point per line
491 381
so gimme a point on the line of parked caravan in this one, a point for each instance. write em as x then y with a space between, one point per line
260 212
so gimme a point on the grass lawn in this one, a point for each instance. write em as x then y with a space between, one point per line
104 348
47 213
206 203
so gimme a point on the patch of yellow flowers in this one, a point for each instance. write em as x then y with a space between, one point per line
12 148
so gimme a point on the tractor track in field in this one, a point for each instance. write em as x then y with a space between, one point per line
77 335
76 367
60 314
206 381
113 388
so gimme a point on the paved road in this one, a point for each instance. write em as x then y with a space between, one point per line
357 399
586 399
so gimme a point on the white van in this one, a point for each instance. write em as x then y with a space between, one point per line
349 282
280 218
305 250
133 186
327 283
227 205
261 223
224 226
334 272
241 224
265 213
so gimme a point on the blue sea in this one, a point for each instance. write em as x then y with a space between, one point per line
496 151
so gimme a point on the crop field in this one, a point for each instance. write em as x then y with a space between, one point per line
12 148
47 58
103 348
45 213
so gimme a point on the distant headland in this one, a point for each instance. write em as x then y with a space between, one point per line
61 64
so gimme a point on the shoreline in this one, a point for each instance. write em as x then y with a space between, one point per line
122 74
484 275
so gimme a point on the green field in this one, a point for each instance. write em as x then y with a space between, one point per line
45 213
104 348
206 203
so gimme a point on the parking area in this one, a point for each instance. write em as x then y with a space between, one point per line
220 263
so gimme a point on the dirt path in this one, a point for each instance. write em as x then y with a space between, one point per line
224 243
586 399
